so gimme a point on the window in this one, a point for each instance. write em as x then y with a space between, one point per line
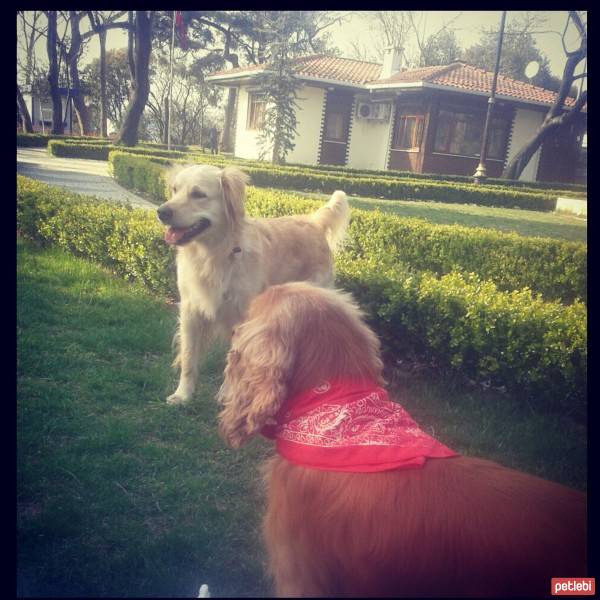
408 132
256 110
461 133
335 126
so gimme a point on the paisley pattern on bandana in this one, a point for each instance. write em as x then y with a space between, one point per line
351 426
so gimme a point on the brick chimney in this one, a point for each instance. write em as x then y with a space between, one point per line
392 61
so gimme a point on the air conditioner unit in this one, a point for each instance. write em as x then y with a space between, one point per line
376 111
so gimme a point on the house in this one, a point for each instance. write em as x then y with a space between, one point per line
429 120
40 111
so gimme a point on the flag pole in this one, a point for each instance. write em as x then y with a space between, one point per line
170 84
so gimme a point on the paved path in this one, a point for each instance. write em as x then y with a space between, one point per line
88 177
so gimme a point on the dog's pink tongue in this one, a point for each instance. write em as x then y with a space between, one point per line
174 234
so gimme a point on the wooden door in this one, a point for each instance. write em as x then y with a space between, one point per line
336 126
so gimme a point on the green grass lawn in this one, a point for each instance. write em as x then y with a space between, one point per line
514 220
121 495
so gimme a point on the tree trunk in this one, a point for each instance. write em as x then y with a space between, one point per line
57 118
518 163
131 51
552 125
226 135
103 119
81 111
557 117
128 135
24 112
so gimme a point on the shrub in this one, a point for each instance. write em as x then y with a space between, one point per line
304 179
127 240
38 140
465 324
555 268
101 151
41 141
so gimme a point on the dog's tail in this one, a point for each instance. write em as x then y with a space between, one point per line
334 218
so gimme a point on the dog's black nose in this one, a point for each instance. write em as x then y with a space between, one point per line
165 214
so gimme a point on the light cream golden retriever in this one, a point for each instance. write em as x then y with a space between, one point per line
224 259
454 527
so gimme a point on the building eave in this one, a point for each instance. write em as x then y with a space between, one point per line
227 80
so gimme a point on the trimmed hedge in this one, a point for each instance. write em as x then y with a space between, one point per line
466 325
463 324
127 240
555 268
310 178
386 188
101 151
38 140
556 188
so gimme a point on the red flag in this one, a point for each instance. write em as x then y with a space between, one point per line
181 30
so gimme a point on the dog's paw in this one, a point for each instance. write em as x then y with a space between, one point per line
177 399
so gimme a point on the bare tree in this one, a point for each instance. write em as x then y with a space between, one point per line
31 29
558 117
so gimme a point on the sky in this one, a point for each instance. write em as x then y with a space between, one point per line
467 25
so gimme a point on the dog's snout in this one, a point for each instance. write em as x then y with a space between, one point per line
165 214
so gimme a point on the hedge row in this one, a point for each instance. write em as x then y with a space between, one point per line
557 188
466 325
554 189
305 180
300 175
74 149
39 140
555 268
463 324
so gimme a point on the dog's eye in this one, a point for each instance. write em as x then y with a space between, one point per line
196 193
174 190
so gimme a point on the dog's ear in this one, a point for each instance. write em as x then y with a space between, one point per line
233 183
255 384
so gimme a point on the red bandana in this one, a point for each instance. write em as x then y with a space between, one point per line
351 426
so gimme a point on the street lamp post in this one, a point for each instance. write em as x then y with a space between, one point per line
480 174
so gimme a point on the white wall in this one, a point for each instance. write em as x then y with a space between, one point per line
246 145
309 112
369 140
526 122
311 101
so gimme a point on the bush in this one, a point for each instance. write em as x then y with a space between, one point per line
299 179
127 240
555 268
463 323
41 141
38 140
101 151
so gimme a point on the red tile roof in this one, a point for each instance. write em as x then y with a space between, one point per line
469 78
338 69
364 74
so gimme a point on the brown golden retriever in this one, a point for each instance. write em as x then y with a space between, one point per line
457 527
224 259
